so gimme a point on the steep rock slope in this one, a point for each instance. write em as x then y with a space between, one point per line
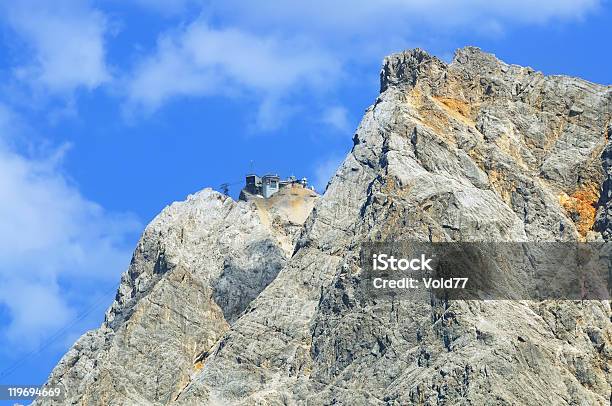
286 211
475 150
196 267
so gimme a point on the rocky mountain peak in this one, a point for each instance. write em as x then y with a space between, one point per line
225 304
405 67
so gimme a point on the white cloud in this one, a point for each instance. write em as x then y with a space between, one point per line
358 30
272 49
64 43
55 244
37 310
348 18
272 113
202 61
337 117
324 171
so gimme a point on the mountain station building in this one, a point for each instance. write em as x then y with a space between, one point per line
267 185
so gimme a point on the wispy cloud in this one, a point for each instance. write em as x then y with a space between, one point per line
350 18
324 170
64 43
271 49
200 60
51 234
337 118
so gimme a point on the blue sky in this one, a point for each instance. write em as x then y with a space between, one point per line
110 110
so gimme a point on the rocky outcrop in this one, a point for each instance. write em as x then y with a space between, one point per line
604 214
474 150
285 212
195 269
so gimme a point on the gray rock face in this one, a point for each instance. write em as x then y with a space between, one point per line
474 150
195 269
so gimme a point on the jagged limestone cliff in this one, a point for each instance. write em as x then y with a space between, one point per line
195 269
474 150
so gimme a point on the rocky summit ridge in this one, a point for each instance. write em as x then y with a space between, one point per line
221 306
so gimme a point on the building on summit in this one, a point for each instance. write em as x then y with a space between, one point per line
267 185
